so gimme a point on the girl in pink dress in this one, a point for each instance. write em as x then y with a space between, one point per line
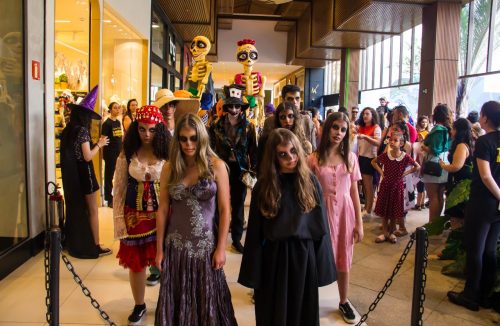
390 199
338 172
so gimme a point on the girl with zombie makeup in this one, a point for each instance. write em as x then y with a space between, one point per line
288 253
390 200
234 139
190 247
136 197
338 172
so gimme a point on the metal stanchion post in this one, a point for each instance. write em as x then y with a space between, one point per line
55 254
418 277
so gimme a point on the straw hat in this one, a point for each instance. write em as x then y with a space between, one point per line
185 103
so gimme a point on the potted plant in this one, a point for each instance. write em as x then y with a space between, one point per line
64 81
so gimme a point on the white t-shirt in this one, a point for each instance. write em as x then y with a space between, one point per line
365 148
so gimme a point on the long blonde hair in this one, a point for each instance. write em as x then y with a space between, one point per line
270 191
203 156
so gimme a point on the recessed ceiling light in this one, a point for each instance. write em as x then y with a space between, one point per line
106 21
155 25
63 21
119 29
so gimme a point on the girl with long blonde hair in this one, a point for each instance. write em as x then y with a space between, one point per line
190 251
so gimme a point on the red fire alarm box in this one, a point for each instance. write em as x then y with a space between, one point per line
35 69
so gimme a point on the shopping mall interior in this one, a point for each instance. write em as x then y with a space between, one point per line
340 53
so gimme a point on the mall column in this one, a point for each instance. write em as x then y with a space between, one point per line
349 78
439 58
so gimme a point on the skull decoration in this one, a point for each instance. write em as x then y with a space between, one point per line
246 53
200 46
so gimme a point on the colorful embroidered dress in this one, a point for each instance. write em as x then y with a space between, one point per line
137 189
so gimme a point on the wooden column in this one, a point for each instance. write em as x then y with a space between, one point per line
439 63
349 78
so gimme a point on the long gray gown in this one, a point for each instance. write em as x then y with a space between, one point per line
192 292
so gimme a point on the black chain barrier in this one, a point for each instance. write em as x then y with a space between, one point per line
416 317
53 249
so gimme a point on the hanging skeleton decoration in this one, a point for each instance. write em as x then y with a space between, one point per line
199 80
253 81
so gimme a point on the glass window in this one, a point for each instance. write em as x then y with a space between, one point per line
156 79
157 36
121 44
13 215
406 59
377 63
477 91
362 70
495 63
369 67
178 57
171 50
417 47
479 36
386 61
396 52
464 32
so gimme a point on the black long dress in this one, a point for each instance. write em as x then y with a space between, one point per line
287 258
77 232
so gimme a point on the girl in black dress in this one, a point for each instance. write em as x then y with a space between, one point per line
482 215
288 253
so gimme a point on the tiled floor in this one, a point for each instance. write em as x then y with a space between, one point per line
23 292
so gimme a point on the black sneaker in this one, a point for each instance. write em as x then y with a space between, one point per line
238 247
347 313
153 279
136 316
103 251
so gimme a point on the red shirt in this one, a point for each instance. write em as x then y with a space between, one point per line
413 133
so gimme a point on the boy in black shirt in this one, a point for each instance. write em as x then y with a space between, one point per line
112 128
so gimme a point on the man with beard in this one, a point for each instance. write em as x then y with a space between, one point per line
234 139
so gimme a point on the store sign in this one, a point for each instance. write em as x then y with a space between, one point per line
35 69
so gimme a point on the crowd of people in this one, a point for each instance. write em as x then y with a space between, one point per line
177 185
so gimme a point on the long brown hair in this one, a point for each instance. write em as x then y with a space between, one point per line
270 191
298 123
204 152
325 143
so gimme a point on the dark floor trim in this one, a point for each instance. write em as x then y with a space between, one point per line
20 254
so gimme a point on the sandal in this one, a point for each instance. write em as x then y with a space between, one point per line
400 233
392 238
381 238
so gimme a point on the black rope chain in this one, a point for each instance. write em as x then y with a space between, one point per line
388 283
77 279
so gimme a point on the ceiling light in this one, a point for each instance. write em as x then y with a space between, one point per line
106 21
63 21
119 29
155 25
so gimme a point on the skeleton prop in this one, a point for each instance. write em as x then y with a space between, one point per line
253 81
199 80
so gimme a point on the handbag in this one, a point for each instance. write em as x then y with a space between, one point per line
432 168
248 178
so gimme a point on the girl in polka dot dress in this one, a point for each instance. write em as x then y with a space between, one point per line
390 200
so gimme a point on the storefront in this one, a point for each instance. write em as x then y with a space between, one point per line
122 60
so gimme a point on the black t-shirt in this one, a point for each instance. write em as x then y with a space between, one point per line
487 148
113 129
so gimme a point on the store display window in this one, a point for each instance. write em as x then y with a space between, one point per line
13 202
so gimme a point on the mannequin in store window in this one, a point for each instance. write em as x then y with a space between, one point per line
79 180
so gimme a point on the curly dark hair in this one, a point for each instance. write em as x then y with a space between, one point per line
132 141
463 135
361 122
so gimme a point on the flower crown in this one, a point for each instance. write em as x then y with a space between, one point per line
246 41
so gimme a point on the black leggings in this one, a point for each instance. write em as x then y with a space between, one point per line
481 261
238 192
109 171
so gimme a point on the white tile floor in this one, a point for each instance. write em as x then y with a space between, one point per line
23 291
